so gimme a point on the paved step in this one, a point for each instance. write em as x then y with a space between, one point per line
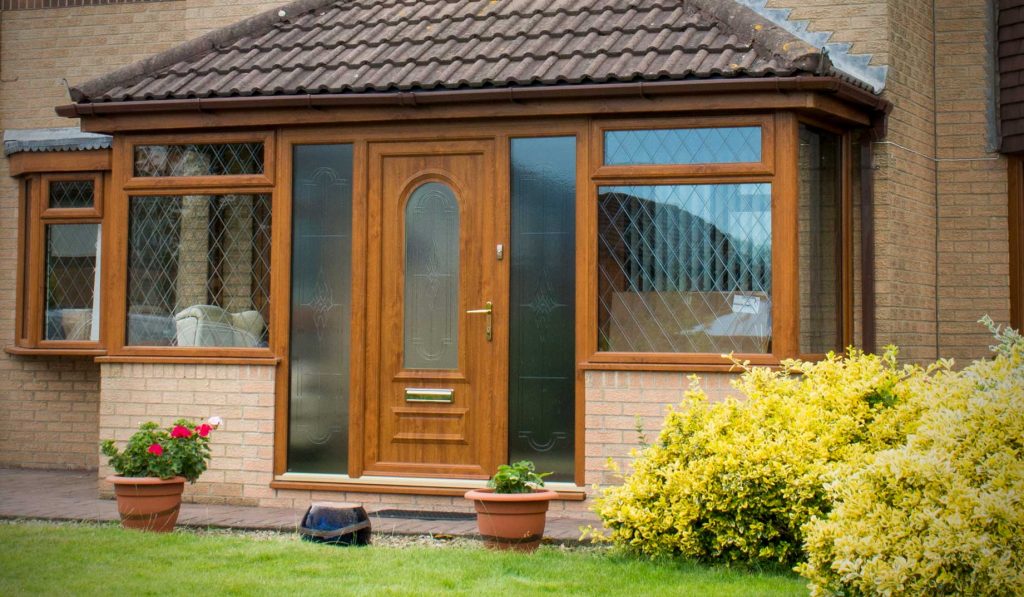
71 495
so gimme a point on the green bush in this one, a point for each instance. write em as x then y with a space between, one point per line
944 513
737 480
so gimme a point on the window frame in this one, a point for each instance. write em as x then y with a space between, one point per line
126 185
779 167
34 216
1015 179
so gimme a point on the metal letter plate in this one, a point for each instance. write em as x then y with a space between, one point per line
429 395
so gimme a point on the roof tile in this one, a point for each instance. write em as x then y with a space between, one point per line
359 46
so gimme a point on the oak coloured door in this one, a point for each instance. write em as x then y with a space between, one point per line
437 385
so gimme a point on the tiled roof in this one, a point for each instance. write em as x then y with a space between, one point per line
355 46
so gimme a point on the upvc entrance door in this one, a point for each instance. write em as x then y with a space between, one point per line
436 403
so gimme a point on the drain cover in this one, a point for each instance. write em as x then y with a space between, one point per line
424 515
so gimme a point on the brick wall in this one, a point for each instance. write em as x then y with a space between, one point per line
243 449
862 23
49 408
618 401
202 16
973 234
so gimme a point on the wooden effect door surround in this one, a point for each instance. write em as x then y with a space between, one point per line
437 397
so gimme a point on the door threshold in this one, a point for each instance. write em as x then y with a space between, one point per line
403 485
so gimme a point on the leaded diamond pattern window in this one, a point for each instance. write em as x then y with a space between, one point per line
71 281
718 145
199 159
199 270
71 194
685 268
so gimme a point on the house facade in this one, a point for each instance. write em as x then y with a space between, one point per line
394 244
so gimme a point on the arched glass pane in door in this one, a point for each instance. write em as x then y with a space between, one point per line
432 278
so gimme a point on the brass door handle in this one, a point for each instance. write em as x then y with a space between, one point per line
488 310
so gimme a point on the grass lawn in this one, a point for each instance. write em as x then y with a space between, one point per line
85 559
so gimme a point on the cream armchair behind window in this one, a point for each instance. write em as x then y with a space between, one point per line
209 325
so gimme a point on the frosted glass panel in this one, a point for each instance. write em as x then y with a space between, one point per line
542 364
432 278
321 308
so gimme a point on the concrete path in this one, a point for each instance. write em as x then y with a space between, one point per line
71 495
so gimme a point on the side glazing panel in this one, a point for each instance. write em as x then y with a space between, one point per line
320 309
541 334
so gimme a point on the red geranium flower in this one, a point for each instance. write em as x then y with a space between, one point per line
180 431
156 449
203 430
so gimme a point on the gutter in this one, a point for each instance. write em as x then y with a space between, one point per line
831 85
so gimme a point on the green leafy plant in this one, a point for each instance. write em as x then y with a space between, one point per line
518 477
735 480
943 513
182 449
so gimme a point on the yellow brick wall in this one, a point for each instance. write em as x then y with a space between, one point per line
203 16
49 407
973 230
618 401
863 23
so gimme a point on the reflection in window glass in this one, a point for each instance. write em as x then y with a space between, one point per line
685 268
200 159
432 278
199 271
72 282
683 146
71 194
820 238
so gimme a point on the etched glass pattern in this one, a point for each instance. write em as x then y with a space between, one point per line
202 159
199 270
542 318
320 308
685 268
72 278
432 278
820 239
71 194
683 146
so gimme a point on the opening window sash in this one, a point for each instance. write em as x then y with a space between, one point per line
61 253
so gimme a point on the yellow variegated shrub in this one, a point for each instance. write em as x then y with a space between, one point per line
944 513
737 480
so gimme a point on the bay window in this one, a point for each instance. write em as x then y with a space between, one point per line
716 237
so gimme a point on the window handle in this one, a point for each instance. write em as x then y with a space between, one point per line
488 310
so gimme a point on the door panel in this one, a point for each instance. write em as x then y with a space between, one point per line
440 405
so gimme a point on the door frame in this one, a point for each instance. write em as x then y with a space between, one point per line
501 132
385 262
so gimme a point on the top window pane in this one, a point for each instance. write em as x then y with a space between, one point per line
721 145
200 159
71 194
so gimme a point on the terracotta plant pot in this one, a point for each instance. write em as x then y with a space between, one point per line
148 503
511 520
